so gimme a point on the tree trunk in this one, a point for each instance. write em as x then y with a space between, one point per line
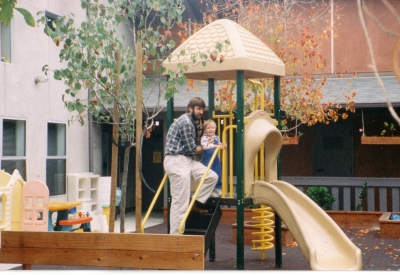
124 181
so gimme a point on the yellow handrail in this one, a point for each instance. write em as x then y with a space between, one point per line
198 190
224 161
153 202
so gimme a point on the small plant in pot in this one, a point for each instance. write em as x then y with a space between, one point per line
389 127
321 196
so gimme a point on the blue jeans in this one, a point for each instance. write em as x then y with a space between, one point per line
216 166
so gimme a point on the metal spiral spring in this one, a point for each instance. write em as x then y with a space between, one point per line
266 234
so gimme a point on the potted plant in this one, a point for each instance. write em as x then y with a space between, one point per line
287 137
387 136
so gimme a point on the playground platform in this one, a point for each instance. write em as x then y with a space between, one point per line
377 253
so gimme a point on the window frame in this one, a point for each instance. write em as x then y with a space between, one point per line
51 184
13 158
9 55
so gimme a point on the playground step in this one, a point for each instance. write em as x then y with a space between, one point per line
205 224
194 231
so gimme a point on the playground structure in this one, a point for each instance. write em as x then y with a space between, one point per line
258 143
23 205
11 191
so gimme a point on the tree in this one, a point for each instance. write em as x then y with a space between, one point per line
99 59
290 29
7 8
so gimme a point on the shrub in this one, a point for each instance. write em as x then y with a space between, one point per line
321 196
362 196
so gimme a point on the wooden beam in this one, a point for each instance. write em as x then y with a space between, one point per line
139 132
114 152
141 251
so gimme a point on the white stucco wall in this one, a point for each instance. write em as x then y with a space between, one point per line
38 104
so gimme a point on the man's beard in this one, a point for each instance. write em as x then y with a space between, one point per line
194 116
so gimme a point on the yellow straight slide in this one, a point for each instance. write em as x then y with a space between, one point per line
320 239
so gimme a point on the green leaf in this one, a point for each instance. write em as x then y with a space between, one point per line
117 18
78 86
6 13
103 80
171 44
27 16
70 107
218 46
163 20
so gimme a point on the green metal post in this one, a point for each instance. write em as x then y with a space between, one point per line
278 228
170 120
210 97
240 169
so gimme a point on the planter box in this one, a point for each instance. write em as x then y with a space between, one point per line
366 219
229 215
380 140
390 229
290 140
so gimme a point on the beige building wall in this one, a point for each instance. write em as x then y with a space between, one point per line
39 104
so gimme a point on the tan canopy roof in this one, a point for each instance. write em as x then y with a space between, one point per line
246 52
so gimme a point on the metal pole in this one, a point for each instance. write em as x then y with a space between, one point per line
170 120
210 97
240 169
278 228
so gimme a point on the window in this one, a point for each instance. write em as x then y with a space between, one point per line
56 159
5 43
50 18
13 153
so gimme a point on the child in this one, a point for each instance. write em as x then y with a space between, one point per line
210 141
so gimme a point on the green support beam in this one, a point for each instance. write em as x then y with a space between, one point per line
240 169
278 228
210 97
170 120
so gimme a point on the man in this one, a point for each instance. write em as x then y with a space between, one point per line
181 166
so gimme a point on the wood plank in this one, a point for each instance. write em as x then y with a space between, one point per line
139 251
105 258
78 240
389 199
380 140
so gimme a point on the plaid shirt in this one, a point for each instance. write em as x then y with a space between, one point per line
181 137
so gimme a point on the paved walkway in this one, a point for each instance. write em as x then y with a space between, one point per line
378 254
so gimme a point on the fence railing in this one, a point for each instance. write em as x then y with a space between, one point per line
382 194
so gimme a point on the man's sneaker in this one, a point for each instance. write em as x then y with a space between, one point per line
198 210
216 194
197 207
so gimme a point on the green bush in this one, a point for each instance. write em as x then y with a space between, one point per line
362 196
321 196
